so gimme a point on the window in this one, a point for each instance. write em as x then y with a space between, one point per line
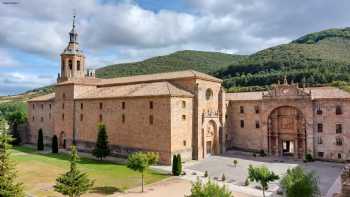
123 105
151 104
63 95
70 64
151 119
62 105
81 106
339 128
339 155
184 142
319 111
101 105
78 65
101 118
183 117
81 117
338 110
33 106
257 109
257 124
42 106
33 118
42 119
63 117
183 104
319 127
209 94
339 141
242 123
320 141
50 106
123 118
241 109
320 154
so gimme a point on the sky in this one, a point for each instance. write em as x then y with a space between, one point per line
33 33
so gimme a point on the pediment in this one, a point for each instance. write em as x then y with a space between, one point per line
286 91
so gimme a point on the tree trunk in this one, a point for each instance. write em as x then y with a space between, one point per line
142 180
263 191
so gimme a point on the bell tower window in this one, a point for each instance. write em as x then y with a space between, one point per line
78 65
70 64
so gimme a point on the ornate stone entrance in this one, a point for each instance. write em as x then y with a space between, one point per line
287 132
210 139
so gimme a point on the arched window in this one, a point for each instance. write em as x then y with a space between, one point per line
78 65
209 94
70 64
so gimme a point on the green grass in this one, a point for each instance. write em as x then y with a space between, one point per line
38 172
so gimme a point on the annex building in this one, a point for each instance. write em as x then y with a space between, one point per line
188 113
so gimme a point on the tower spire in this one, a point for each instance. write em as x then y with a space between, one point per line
73 35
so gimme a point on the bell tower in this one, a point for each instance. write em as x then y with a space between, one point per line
72 59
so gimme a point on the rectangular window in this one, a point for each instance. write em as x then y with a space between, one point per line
101 105
123 105
42 106
42 119
183 104
339 141
318 109
33 106
339 155
257 109
241 109
151 119
63 117
50 106
320 141
62 105
320 154
81 106
242 123
123 118
339 128
320 127
257 124
184 142
81 117
338 110
183 117
151 104
78 65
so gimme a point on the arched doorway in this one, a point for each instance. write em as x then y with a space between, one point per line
287 132
62 140
210 138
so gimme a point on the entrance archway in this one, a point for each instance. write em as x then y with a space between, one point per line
210 138
287 132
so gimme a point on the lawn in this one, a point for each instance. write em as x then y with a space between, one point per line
38 172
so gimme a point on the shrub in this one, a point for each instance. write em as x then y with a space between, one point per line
54 144
308 158
297 183
40 140
223 178
206 174
235 162
209 189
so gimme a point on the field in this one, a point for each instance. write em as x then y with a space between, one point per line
38 172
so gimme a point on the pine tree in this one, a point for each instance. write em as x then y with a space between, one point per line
73 183
174 165
101 150
8 186
179 164
54 144
40 140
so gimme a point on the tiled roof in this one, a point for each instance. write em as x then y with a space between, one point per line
327 93
158 77
46 97
136 90
244 96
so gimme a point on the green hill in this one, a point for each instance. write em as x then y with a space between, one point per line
207 62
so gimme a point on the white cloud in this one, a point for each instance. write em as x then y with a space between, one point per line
23 80
7 60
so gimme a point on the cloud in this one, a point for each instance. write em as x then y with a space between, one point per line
7 60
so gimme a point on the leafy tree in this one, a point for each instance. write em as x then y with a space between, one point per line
297 183
209 189
73 183
261 175
40 140
54 144
101 150
8 186
15 119
141 161
235 162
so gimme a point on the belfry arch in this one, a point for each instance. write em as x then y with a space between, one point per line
286 132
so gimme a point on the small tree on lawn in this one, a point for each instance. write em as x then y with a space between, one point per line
235 162
73 183
8 186
261 175
40 140
141 161
179 164
209 189
174 165
297 183
101 150
54 144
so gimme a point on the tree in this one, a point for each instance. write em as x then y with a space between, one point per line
261 175
141 161
8 186
54 144
209 189
73 183
15 119
174 165
235 162
101 150
40 140
179 164
297 183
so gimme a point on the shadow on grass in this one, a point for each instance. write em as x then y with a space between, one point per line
106 190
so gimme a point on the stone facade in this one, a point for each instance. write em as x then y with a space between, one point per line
291 121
